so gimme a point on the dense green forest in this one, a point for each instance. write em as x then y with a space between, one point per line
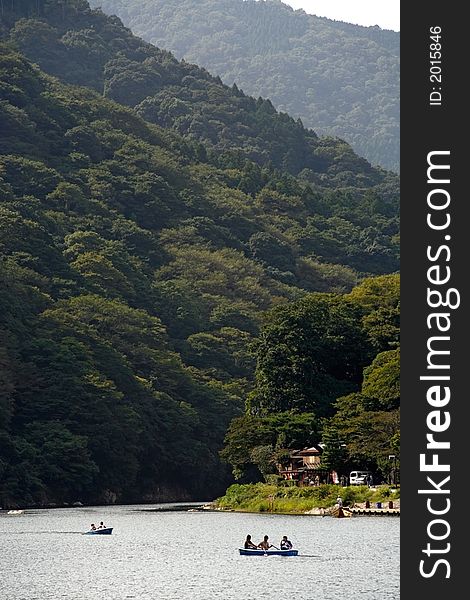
328 367
340 79
137 261
85 47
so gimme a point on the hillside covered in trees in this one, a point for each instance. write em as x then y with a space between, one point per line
328 368
137 260
340 79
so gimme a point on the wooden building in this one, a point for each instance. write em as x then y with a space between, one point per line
305 468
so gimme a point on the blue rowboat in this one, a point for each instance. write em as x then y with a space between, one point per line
104 531
271 552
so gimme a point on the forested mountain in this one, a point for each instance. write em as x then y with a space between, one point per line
136 261
341 79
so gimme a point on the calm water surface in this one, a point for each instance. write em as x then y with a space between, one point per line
193 556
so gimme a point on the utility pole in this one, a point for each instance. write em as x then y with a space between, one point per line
394 468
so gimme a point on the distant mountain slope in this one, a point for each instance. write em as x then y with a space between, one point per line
341 79
88 48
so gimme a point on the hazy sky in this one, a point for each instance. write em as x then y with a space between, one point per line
385 13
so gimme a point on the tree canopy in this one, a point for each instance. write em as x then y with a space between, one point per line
340 79
317 365
136 264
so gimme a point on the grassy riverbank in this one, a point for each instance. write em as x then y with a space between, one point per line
297 500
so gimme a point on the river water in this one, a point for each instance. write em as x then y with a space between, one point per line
194 556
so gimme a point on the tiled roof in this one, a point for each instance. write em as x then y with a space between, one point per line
312 450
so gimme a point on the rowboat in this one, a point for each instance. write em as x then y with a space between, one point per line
340 512
271 552
104 531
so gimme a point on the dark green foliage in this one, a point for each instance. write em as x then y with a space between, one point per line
355 206
371 435
85 47
334 456
135 266
340 79
253 445
309 353
369 421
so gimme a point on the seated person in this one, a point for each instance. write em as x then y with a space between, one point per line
265 545
102 525
249 544
92 527
286 544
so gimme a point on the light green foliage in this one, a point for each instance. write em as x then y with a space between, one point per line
335 455
262 457
380 298
289 499
382 380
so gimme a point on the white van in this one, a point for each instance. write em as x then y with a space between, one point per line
360 477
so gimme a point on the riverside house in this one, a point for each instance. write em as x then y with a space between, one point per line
305 468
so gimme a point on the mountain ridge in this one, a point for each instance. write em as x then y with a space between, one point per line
340 79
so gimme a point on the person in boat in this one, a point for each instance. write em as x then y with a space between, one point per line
286 544
102 525
92 527
265 545
249 544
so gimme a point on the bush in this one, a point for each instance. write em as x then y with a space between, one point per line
289 498
274 480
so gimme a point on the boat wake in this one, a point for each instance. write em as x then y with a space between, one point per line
47 532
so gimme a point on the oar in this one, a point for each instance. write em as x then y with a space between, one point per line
266 550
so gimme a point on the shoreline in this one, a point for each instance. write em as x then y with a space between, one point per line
323 500
355 511
331 511
157 506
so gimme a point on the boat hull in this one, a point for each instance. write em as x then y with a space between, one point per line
340 512
106 531
272 552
